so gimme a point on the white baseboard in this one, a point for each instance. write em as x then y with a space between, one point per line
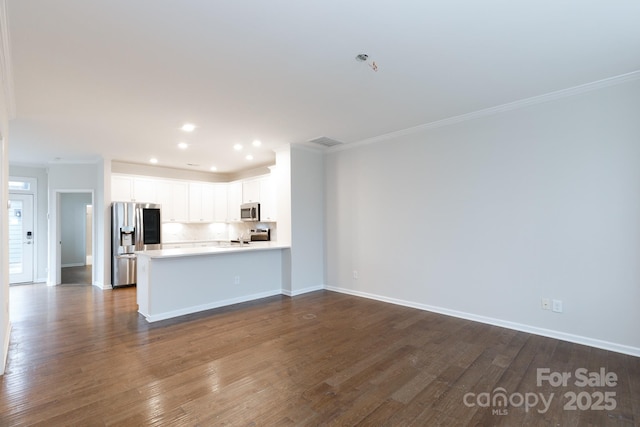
73 264
102 285
208 306
578 339
302 291
5 349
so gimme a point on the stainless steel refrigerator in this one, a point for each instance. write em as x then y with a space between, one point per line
134 227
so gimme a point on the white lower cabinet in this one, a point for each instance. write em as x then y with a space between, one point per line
177 245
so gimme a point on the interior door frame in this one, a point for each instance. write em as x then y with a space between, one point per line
57 235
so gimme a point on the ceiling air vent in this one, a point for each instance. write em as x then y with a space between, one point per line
327 142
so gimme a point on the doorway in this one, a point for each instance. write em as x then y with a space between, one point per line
21 238
76 239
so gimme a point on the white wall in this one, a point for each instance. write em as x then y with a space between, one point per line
483 218
102 221
73 211
7 107
307 219
299 181
5 324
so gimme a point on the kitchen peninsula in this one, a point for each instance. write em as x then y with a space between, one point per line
175 282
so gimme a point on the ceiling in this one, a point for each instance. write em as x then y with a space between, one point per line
118 78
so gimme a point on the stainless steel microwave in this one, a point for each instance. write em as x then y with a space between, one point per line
250 212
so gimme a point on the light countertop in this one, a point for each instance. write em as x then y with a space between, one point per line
212 250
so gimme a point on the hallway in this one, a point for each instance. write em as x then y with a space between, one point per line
77 275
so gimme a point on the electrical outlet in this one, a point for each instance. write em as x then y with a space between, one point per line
236 280
557 306
546 304
355 274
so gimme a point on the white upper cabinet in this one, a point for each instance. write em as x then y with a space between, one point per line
197 201
268 198
201 202
220 203
133 189
174 197
251 191
121 188
234 200
144 190
261 190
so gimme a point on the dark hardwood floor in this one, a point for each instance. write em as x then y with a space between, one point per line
81 356
76 275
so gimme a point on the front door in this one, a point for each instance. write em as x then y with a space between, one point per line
21 238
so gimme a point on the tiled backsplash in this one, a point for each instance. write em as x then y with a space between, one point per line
174 232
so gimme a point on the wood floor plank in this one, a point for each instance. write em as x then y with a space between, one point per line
82 356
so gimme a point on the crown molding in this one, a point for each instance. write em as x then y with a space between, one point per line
564 93
6 67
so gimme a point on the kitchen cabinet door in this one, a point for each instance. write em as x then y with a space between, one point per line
200 202
144 190
173 196
177 245
121 188
125 188
251 191
268 199
220 203
234 199
207 202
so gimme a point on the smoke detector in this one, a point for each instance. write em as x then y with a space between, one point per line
363 57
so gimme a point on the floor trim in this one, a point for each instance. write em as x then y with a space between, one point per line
577 339
302 291
217 304
5 349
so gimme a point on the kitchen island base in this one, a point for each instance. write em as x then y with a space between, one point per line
172 284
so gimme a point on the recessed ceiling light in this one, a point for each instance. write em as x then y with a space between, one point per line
183 145
237 147
249 157
153 160
257 143
213 168
188 127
